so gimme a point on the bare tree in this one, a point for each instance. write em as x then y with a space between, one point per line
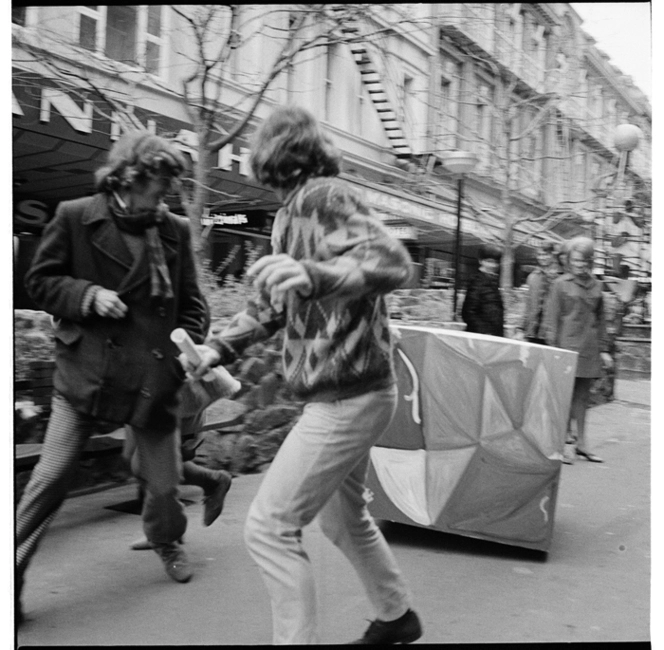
532 145
219 96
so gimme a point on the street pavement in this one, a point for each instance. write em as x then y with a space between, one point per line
86 587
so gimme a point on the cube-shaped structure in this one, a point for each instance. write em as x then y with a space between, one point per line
476 445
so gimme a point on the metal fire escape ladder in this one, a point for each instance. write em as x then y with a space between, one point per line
367 62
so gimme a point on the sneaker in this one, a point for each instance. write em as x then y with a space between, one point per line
142 544
404 630
213 502
175 561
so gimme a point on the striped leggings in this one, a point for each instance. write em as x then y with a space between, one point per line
159 470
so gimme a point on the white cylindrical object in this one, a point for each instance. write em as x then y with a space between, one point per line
186 345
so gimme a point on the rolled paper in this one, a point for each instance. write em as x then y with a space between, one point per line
186 345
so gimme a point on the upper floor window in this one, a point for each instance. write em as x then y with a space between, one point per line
132 35
18 15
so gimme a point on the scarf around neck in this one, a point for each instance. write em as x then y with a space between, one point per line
146 222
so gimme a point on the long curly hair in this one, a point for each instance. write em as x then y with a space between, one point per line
137 157
289 147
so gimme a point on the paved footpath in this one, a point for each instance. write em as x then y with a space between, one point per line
86 588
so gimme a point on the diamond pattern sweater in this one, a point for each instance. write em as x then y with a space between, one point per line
337 340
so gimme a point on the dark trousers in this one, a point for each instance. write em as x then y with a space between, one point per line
158 468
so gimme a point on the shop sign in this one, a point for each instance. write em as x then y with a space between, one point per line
403 209
224 219
84 120
30 213
402 232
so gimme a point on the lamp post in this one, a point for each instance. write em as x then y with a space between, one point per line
626 138
459 163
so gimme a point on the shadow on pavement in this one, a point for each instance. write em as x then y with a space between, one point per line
435 540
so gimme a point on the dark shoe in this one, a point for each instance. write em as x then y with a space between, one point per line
213 503
404 630
588 456
175 561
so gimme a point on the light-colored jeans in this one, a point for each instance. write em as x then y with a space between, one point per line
321 469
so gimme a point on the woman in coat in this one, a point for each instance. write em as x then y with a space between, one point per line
116 272
483 306
574 320
539 283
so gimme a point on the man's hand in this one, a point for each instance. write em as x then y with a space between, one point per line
108 304
209 358
277 274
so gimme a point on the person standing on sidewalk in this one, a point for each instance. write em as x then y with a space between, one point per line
539 283
574 320
332 263
116 271
482 309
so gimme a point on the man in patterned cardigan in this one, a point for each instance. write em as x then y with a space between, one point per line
332 263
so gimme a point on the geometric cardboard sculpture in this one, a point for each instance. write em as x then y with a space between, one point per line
476 445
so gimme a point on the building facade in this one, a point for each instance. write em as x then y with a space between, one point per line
397 87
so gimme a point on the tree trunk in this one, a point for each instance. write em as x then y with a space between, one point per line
199 202
507 271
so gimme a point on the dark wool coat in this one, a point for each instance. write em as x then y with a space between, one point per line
483 306
574 320
120 370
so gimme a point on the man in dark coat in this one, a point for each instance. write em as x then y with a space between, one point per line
483 306
116 271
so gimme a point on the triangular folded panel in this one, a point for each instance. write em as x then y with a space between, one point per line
402 475
444 469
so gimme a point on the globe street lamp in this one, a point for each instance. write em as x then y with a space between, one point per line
626 138
459 163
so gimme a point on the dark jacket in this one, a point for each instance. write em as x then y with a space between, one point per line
120 370
483 306
574 320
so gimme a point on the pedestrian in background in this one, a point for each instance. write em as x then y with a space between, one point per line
482 309
538 284
333 261
574 317
116 271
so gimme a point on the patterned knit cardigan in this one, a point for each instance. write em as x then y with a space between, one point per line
337 340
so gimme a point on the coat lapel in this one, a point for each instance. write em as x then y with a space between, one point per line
125 272
106 238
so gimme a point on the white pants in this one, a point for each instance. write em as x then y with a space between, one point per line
320 469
